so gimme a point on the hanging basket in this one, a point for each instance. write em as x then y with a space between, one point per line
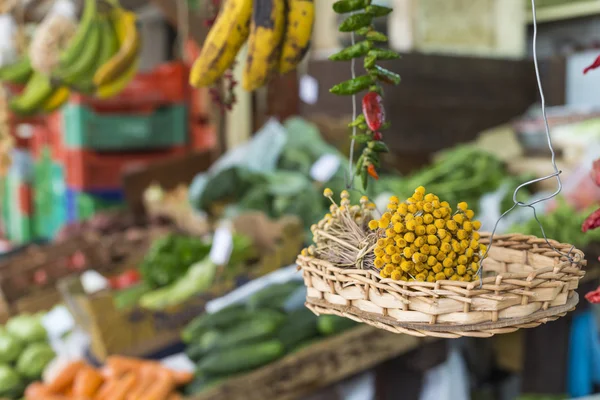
526 283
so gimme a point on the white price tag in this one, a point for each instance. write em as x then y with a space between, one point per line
325 167
25 131
222 245
309 89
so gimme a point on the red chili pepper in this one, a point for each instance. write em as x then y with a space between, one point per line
591 222
125 280
377 136
593 296
372 107
371 170
593 65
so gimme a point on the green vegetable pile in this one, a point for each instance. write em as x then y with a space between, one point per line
463 173
24 354
244 337
563 224
169 258
285 188
177 268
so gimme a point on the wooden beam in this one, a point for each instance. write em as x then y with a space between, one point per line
197 28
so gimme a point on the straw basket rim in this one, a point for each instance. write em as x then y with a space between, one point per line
533 284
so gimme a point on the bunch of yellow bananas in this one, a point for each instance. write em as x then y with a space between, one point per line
278 34
100 60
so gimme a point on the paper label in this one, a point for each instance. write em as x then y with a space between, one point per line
222 245
25 131
325 167
309 89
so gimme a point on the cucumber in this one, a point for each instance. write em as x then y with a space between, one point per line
301 325
332 324
263 325
195 351
273 296
241 358
219 320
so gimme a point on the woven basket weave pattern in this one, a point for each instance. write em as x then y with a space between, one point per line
526 283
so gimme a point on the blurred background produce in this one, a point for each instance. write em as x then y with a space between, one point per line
116 176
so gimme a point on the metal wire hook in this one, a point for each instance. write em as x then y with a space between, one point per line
556 173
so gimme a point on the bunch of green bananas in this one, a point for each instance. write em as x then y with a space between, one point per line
278 34
100 60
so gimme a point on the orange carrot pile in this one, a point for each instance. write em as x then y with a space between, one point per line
121 378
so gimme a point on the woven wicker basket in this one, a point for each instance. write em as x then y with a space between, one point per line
526 283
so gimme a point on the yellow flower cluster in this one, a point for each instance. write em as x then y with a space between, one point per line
423 240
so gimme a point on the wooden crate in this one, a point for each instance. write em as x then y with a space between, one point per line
140 332
28 279
317 366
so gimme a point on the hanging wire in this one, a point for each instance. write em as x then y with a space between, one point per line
350 173
556 173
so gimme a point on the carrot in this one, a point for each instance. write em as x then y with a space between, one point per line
162 386
146 377
66 377
87 382
174 396
35 390
122 387
181 377
127 363
106 389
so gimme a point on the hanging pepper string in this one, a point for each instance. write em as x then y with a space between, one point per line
350 172
361 14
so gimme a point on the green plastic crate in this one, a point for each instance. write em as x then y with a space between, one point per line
163 128
49 197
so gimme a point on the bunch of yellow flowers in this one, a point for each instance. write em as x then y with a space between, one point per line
423 240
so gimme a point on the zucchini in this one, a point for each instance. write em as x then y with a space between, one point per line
332 324
220 320
273 296
301 325
263 325
242 358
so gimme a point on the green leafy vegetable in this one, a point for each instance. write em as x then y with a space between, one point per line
169 258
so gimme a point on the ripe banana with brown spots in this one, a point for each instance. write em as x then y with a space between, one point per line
264 44
226 37
300 21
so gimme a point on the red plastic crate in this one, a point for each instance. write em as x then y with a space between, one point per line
165 85
90 170
48 135
202 135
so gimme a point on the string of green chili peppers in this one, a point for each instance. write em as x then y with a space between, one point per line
372 121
